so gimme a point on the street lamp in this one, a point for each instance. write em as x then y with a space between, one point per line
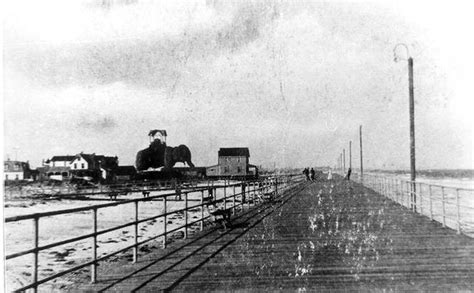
412 119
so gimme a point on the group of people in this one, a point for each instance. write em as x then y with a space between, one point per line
309 174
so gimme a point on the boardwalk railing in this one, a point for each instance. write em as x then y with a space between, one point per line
234 196
55 189
452 207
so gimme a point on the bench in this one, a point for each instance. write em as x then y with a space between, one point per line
268 196
222 217
113 194
218 215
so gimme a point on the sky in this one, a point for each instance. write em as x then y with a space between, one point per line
290 80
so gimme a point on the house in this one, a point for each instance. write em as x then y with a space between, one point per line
59 161
56 168
17 170
232 162
125 173
98 167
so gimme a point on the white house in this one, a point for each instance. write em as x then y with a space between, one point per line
16 170
93 165
59 161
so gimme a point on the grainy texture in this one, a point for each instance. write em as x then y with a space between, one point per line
341 238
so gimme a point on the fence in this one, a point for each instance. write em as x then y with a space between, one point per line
242 194
452 207
55 189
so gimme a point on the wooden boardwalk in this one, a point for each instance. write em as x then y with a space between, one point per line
323 237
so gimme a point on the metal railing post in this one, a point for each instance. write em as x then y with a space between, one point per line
135 234
421 197
35 261
458 211
185 215
444 206
276 186
94 247
243 195
202 209
409 196
164 222
225 195
400 192
431 204
233 201
254 193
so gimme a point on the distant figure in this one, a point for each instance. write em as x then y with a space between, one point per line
348 176
306 173
329 175
312 174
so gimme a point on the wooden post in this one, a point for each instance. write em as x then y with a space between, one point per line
35 260
135 234
164 222
94 247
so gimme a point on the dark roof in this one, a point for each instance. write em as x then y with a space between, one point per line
62 158
89 158
9 166
233 152
125 170
93 159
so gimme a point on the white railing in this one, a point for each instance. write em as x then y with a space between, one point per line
452 207
233 196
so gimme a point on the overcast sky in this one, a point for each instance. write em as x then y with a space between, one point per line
290 80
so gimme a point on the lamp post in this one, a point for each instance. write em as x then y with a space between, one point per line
412 120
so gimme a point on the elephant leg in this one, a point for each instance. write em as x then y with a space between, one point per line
190 164
169 162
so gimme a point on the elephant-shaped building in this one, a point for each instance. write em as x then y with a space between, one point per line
158 154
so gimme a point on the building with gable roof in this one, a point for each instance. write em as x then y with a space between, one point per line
232 162
17 170
98 167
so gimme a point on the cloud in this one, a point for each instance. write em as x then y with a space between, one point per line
131 44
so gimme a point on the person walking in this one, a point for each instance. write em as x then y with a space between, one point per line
330 175
348 176
306 173
312 174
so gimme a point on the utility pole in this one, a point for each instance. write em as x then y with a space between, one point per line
361 161
343 161
412 131
350 154
412 123
340 162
